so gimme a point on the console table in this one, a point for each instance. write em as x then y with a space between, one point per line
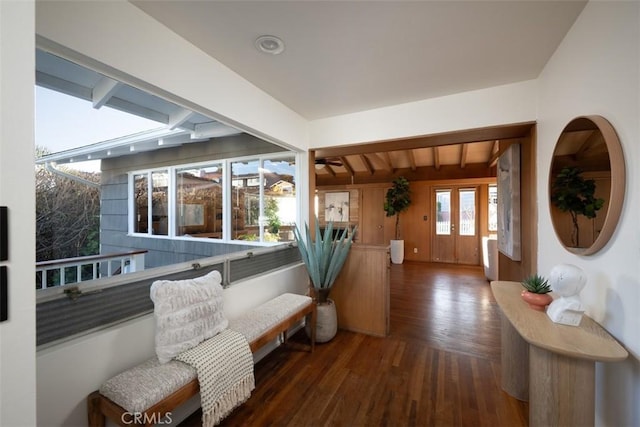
551 365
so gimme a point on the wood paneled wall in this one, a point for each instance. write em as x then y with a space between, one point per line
416 224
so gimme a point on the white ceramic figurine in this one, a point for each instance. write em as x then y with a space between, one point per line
567 281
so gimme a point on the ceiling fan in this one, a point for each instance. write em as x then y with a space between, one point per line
328 162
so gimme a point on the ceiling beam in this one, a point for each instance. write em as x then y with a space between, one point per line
449 138
103 91
347 166
329 169
367 163
179 117
212 130
436 158
463 155
412 159
587 144
503 146
380 158
387 160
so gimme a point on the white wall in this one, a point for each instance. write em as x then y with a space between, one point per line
69 371
596 71
17 334
512 103
134 44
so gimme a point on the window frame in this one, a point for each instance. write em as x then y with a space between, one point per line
227 184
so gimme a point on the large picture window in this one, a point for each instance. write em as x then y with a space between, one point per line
199 206
256 204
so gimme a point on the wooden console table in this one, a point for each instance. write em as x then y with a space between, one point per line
551 365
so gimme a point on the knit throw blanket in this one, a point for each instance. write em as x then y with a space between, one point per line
225 372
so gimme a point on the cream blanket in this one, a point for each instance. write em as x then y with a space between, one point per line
225 373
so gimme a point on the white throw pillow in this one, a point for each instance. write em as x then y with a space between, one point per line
187 312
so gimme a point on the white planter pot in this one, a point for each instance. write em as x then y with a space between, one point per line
326 322
397 251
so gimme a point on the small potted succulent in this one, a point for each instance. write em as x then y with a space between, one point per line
536 292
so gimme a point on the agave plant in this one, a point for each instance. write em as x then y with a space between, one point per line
536 284
325 256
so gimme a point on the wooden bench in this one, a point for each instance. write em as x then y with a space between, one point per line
140 396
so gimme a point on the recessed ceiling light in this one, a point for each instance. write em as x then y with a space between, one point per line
270 44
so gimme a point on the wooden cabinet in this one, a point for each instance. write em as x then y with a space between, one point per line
361 291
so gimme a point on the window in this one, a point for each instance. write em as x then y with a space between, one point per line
443 211
191 201
151 203
280 198
467 212
245 200
200 201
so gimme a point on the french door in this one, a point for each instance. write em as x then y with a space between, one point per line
455 234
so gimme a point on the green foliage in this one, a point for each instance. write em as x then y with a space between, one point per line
67 215
271 212
536 284
570 192
397 200
325 256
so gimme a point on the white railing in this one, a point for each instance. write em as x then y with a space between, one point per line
61 272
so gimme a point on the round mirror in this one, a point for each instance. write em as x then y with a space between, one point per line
586 184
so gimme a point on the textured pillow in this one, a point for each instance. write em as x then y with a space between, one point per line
187 312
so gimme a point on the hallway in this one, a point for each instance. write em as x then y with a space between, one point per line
440 365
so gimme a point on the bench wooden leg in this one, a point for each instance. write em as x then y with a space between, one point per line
95 417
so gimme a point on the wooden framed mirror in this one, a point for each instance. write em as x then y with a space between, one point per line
586 184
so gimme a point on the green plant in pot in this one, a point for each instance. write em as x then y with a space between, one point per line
570 192
397 200
536 292
324 258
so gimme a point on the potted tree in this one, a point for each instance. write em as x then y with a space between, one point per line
397 201
324 259
572 193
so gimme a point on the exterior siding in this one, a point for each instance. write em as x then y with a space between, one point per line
114 199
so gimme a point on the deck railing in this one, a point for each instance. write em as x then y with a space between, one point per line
61 272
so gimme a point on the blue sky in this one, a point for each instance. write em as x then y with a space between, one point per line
64 122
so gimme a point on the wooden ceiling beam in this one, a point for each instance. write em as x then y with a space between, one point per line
587 144
412 159
503 146
330 170
387 161
449 138
436 158
347 166
463 155
367 164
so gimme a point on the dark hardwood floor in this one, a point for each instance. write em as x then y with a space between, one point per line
440 365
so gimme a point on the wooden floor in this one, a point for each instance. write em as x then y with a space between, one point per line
440 365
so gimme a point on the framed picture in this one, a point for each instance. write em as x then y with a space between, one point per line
4 300
336 206
509 202
4 238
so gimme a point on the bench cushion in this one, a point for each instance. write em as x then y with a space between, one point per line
262 318
142 386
